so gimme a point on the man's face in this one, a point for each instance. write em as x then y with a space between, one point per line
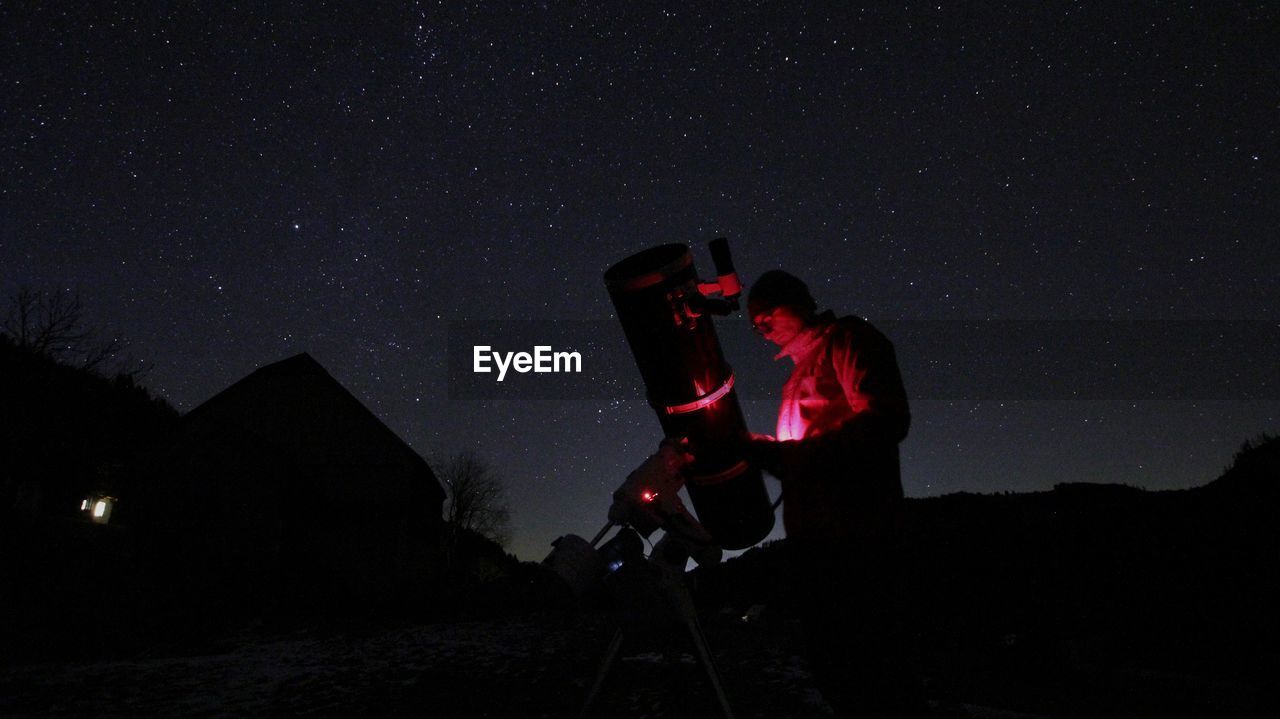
779 324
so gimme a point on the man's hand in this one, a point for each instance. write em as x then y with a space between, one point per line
769 454
676 452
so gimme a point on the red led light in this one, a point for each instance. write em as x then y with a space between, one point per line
647 496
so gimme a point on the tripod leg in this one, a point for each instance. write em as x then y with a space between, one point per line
684 605
709 664
610 655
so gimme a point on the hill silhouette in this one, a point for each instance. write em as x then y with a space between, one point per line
67 434
1160 599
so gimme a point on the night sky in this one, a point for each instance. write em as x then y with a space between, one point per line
228 185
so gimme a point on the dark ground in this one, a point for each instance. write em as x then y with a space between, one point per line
528 667
542 666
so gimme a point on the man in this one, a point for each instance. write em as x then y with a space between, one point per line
843 413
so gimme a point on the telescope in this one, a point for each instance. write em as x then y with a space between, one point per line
647 501
666 314
647 592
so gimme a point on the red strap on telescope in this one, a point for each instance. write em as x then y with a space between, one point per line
702 402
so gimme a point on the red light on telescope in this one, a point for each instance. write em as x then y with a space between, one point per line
703 402
648 496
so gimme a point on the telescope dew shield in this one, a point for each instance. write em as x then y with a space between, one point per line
690 387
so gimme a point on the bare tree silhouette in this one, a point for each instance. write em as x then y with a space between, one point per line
477 497
54 324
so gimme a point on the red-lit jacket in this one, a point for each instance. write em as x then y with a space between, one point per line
843 413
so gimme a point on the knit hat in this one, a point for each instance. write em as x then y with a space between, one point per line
776 288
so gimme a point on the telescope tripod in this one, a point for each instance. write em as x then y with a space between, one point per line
664 572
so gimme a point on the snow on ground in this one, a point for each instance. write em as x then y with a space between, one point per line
526 667
529 667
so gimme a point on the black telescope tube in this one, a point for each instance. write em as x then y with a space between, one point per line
690 387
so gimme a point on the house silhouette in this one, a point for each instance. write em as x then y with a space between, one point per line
284 493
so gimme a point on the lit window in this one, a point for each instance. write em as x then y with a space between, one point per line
98 507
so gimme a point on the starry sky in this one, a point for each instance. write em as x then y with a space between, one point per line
228 184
